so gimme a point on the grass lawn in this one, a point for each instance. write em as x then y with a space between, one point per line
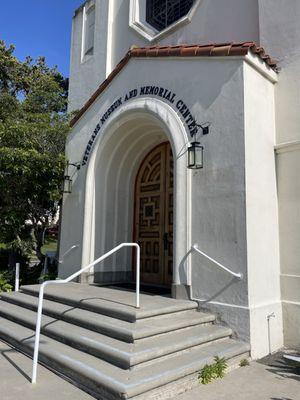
50 245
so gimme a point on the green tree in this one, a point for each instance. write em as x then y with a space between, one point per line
33 128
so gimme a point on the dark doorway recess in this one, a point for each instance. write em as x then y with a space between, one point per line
149 289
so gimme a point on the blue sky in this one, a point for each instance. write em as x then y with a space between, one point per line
39 28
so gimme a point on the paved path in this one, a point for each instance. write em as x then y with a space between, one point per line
270 379
15 369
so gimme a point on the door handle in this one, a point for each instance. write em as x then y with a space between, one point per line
166 241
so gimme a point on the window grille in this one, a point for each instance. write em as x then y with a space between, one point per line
162 13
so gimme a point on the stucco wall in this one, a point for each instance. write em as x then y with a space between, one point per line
280 35
216 214
216 82
214 21
86 73
218 208
288 166
262 214
271 23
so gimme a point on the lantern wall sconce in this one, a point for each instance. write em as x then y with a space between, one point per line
68 181
195 155
195 150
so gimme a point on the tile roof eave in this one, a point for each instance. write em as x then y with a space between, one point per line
205 50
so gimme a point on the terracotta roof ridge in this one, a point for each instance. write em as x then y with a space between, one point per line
181 50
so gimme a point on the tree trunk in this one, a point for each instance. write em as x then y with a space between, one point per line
39 231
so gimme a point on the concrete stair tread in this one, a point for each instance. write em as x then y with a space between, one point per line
103 300
106 325
95 373
119 353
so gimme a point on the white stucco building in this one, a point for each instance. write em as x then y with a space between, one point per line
144 74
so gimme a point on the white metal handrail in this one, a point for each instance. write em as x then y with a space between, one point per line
70 278
238 275
68 252
17 277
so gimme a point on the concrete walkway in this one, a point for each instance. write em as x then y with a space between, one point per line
15 372
270 379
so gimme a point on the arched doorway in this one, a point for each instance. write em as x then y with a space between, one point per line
153 215
130 134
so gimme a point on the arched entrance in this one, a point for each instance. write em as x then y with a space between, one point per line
130 134
153 215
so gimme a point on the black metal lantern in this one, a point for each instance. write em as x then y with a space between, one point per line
195 155
67 184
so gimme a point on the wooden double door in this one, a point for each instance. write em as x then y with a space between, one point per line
154 215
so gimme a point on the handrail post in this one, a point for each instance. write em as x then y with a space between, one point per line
138 264
17 277
37 334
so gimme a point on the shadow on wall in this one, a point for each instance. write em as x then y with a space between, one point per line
210 283
183 267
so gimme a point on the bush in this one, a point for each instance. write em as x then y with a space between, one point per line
30 274
8 260
4 259
5 282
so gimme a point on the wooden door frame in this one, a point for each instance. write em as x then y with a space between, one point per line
165 142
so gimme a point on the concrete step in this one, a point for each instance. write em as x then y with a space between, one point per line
115 328
106 381
103 300
122 354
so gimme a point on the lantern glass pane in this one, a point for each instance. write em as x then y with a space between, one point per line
199 156
67 184
191 157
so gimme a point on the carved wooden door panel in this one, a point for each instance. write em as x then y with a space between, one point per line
154 215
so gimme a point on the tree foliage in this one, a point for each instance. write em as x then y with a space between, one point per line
33 129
